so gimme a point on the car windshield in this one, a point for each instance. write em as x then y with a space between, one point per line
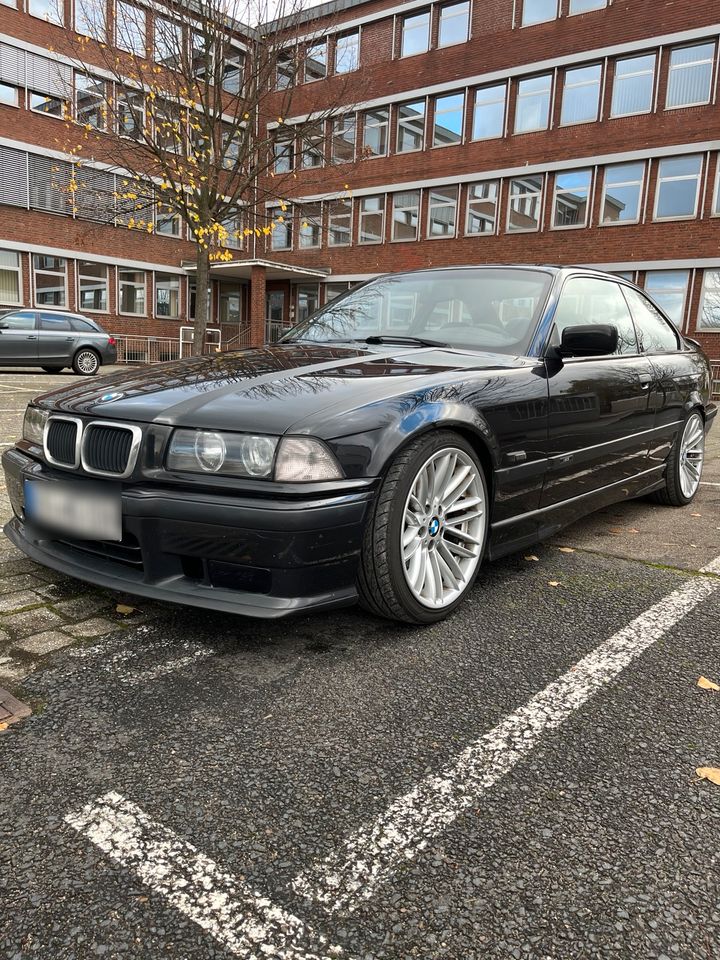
493 309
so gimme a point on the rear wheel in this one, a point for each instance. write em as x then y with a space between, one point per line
86 362
53 369
685 463
425 538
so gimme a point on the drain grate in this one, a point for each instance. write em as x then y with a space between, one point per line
11 709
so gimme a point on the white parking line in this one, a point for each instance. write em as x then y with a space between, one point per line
243 921
351 875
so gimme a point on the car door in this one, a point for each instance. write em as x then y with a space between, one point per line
677 372
56 339
18 338
600 419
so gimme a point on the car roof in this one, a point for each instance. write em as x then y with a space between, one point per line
552 268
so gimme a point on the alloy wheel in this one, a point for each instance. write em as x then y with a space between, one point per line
692 455
443 528
87 362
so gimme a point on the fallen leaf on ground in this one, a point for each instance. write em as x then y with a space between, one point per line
709 773
4 726
706 684
633 530
124 609
695 514
566 550
532 557
554 583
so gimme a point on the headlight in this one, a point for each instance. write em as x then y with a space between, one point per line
236 454
299 459
34 424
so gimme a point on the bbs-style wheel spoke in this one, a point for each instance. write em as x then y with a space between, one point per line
692 455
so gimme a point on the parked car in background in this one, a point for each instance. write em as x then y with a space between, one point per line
53 340
389 444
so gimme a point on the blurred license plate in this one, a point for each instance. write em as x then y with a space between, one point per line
72 509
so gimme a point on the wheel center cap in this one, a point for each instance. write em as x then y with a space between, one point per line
434 527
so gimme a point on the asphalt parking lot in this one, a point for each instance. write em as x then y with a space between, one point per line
518 781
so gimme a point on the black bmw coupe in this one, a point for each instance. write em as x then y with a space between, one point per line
407 431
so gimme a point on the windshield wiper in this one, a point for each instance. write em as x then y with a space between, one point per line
413 341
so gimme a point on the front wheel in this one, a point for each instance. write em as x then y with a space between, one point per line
425 537
684 465
86 363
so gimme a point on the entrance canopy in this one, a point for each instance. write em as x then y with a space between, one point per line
242 270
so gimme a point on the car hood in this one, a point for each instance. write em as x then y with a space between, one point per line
267 390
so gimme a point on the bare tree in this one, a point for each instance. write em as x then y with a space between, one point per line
189 112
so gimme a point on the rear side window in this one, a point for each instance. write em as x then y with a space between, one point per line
49 321
82 326
590 300
18 321
655 333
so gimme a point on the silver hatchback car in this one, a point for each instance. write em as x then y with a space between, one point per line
54 340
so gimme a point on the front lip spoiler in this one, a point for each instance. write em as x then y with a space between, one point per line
178 589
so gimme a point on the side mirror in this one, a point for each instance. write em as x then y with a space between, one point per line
589 340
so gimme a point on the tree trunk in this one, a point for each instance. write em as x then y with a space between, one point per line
202 300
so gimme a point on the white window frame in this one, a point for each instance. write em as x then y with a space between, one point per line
100 98
523 196
65 107
637 73
675 179
439 113
287 225
597 84
685 291
120 284
316 221
486 103
444 15
441 205
138 53
534 23
413 15
167 273
174 28
468 200
686 66
348 214
279 148
400 123
340 37
59 6
558 193
600 5
15 90
382 197
80 28
623 183
320 44
50 273
703 297
341 123
79 277
520 96
376 125
394 208
715 212
19 270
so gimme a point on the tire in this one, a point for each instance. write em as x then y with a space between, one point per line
53 369
86 362
684 464
391 585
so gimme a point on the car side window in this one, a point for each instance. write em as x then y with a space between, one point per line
655 333
590 300
82 326
18 321
49 321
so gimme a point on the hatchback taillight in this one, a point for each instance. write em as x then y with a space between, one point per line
111 341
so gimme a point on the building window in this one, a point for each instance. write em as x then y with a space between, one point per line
482 207
231 239
50 280
532 110
678 187
339 223
130 28
585 6
93 286
347 52
489 112
343 139
168 45
90 109
448 120
167 296
167 223
525 204
281 237
376 128
10 285
570 204
622 193
284 70
411 127
8 95
316 62
454 24
405 215
538 11
690 76
310 226
130 114
442 212
232 74
48 104
284 152
308 300
581 95
372 220
132 292
709 318
51 10
633 86
91 18
716 199
415 34
335 290
668 288
313 147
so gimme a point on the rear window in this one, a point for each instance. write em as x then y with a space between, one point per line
83 326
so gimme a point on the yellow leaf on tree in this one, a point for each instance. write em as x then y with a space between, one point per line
709 773
706 684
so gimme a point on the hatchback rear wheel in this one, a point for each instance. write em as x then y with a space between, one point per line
425 538
86 362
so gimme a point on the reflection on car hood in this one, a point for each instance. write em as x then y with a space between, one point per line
267 389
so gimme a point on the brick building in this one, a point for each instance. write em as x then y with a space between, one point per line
563 131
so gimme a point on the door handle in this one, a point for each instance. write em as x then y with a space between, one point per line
645 380
31 337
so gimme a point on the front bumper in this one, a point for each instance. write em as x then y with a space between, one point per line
255 556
